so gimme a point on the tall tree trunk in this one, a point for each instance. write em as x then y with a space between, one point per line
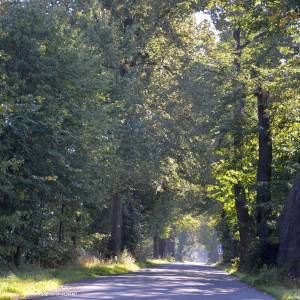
171 245
116 224
239 119
162 248
60 228
17 256
167 249
244 223
180 249
74 239
263 198
289 248
229 244
156 246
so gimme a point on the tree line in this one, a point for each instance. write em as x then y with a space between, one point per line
122 123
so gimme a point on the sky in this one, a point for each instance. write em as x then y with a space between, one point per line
201 16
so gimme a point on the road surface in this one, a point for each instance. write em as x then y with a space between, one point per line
174 281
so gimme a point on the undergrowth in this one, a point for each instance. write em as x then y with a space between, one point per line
29 280
271 280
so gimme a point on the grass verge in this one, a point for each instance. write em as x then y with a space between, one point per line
29 282
269 280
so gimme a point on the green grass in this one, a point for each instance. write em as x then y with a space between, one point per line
24 283
269 280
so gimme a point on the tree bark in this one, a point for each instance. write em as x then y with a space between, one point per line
289 247
171 245
60 228
244 223
180 249
17 256
156 246
116 224
263 199
239 190
225 238
162 248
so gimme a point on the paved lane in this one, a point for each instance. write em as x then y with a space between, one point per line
174 281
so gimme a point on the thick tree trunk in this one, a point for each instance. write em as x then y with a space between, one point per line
156 246
181 242
116 224
229 245
263 198
289 248
167 247
234 248
162 248
239 119
17 256
171 246
244 222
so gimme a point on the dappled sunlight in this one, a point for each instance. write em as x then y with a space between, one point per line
46 281
140 129
174 281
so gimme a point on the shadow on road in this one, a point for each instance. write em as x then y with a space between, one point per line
174 281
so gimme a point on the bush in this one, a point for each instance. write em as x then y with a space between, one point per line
126 258
269 274
89 261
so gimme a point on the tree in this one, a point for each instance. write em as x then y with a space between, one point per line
289 232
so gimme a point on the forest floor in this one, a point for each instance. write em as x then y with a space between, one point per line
28 281
269 280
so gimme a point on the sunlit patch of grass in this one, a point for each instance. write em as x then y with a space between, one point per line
21 284
269 280
26 283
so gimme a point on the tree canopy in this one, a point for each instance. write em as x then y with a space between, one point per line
134 125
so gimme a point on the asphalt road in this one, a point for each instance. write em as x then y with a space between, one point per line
174 281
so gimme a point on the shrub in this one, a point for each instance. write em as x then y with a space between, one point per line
125 257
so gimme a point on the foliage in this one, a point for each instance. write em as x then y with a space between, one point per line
30 281
134 102
272 280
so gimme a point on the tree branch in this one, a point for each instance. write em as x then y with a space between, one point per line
258 36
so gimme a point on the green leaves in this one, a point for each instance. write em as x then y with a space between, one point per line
108 97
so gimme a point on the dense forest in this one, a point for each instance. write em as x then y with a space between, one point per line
150 126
